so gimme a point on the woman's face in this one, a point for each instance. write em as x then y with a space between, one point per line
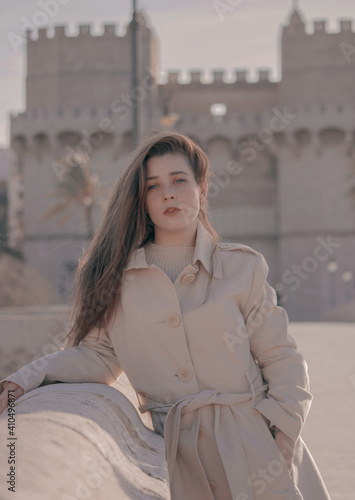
170 182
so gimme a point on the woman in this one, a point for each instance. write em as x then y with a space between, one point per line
196 328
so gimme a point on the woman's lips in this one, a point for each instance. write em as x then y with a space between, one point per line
172 212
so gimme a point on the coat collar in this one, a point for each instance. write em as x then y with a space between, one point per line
203 248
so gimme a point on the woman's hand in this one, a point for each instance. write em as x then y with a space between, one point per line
18 392
286 445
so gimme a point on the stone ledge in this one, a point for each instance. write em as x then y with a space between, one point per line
84 440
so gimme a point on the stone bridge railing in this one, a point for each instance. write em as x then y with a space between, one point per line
82 441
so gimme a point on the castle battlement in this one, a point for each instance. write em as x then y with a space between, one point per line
84 65
297 25
218 76
84 31
317 65
320 26
62 31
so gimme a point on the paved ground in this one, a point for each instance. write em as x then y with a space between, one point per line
329 431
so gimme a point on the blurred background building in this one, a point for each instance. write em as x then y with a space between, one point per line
282 153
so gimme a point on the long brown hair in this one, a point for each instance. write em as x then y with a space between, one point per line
125 227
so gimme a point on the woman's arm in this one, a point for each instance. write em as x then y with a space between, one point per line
282 365
93 360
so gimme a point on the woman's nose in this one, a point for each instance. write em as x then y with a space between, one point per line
169 194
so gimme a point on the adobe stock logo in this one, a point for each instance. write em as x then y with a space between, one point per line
47 9
223 7
309 265
347 50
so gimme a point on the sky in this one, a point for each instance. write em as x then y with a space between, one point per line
192 34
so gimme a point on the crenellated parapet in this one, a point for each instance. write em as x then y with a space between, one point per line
83 31
317 64
344 26
297 25
218 77
77 67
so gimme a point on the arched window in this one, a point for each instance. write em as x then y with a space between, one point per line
331 137
101 139
41 140
40 145
19 143
303 138
68 138
255 158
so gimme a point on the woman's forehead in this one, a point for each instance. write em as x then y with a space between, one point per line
160 165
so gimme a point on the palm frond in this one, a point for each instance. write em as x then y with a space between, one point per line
58 208
77 185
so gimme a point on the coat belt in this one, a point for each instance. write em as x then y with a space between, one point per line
188 404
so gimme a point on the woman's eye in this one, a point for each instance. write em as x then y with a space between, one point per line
150 187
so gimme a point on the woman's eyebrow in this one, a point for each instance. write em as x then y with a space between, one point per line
171 173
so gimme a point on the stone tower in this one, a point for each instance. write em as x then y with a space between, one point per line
78 101
315 164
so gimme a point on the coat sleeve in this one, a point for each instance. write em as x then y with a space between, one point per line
283 367
93 360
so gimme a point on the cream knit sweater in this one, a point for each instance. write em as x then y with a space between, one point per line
172 260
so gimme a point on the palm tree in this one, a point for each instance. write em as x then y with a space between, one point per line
77 186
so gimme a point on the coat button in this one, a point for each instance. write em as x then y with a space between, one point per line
224 245
188 278
200 432
184 374
173 320
213 485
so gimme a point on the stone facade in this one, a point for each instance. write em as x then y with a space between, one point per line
282 152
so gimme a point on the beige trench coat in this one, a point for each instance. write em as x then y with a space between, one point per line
213 375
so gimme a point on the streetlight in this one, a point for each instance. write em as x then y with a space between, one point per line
218 111
135 77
